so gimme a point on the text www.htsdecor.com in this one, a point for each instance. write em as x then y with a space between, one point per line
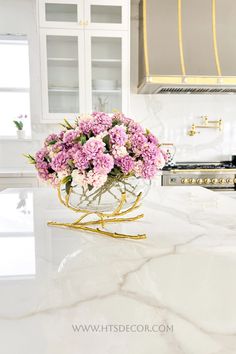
123 328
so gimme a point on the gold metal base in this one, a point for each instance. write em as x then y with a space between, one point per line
102 218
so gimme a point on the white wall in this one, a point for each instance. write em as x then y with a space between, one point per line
170 116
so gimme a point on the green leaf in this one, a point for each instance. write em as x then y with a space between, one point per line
52 142
83 139
106 141
30 158
71 163
147 131
66 179
90 187
68 186
116 122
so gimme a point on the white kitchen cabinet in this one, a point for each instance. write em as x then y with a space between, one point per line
62 65
91 14
107 78
84 67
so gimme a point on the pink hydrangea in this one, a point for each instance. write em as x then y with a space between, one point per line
118 135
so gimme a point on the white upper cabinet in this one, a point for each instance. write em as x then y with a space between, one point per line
91 14
85 61
106 14
61 13
62 65
106 73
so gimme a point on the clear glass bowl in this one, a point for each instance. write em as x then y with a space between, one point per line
107 197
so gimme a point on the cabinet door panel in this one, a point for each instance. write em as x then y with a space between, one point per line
61 13
107 71
62 73
106 14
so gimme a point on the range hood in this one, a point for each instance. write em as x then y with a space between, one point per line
187 46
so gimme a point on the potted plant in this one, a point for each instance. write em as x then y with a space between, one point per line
20 125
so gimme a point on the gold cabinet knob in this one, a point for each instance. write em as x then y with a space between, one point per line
234 180
207 181
222 180
214 180
81 23
184 181
199 181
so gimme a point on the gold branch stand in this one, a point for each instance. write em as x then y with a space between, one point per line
101 218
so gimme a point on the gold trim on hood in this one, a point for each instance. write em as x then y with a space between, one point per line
181 50
218 68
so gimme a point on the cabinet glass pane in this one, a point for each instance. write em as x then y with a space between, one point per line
106 14
63 77
61 12
106 74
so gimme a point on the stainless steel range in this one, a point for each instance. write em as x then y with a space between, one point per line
218 176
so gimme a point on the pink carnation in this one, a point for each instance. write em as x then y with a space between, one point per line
93 147
59 162
118 135
103 163
81 160
126 164
101 122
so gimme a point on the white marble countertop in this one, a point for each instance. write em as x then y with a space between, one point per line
173 293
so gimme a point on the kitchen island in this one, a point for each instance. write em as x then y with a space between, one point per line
64 291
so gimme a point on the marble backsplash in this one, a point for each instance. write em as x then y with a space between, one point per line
171 116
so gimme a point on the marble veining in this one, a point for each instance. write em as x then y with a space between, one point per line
182 276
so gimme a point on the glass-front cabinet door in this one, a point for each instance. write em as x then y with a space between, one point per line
61 13
106 72
62 73
106 14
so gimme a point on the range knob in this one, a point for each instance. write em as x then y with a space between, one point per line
229 180
184 181
222 181
214 180
192 180
207 181
199 181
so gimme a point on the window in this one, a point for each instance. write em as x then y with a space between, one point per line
14 84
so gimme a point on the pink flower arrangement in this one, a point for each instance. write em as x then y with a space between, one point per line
98 147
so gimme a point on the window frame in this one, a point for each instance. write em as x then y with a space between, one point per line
19 39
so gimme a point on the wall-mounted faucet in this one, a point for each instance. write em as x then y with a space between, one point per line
215 124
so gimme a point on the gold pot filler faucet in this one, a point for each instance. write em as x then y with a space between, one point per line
213 124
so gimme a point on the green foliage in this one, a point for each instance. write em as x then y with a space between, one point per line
106 141
52 142
66 179
67 125
19 125
30 158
